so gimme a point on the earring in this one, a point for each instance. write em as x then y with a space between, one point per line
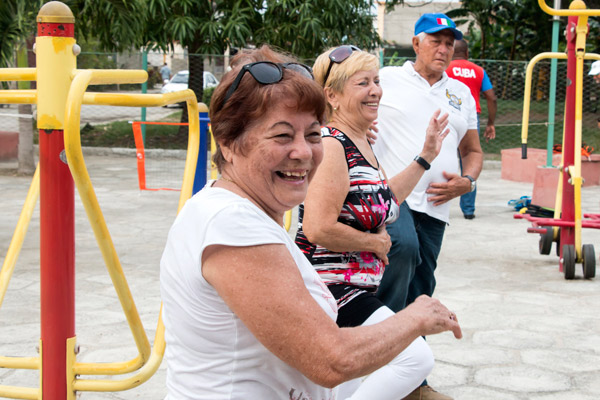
334 108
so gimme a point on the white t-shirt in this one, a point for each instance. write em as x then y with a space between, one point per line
407 104
210 353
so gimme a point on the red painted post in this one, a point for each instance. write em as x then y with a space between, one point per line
57 262
567 234
57 197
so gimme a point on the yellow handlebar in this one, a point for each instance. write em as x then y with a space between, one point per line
576 9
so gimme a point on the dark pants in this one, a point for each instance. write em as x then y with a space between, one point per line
430 232
416 243
403 259
467 200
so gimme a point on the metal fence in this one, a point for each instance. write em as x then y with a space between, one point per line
508 79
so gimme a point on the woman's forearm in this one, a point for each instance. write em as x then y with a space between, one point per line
403 183
338 237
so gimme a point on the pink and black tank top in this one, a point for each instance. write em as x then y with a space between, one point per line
369 205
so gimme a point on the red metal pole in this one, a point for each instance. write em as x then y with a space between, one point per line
567 234
57 247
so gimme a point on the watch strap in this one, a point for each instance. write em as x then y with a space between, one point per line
422 162
472 180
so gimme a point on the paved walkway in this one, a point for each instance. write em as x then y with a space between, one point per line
529 334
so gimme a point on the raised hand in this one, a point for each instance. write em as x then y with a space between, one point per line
435 134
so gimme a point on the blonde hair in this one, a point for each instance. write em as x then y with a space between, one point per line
340 73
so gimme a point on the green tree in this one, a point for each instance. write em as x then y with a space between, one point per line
307 28
202 28
17 27
17 23
209 27
115 23
481 17
504 29
300 27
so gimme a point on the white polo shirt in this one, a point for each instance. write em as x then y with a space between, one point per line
407 104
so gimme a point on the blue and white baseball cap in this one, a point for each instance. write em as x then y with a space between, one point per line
432 23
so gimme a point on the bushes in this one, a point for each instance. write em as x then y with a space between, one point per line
207 95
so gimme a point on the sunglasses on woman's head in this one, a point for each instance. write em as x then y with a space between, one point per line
338 56
267 73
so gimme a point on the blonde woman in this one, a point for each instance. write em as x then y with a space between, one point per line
349 202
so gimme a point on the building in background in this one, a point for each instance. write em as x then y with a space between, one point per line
396 28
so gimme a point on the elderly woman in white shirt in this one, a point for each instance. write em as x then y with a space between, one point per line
246 315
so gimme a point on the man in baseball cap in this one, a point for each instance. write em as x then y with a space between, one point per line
412 93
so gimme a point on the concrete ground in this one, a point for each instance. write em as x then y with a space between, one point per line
528 333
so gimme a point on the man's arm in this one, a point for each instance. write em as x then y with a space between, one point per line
456 185
492 107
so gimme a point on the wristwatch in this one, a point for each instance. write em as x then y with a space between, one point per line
422 162
473 182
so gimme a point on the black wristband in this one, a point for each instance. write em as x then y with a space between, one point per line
422 162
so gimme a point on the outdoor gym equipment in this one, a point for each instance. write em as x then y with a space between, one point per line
565 228
60 93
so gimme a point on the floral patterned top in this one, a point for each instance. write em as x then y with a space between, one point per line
369 205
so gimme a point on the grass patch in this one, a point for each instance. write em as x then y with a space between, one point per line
120 134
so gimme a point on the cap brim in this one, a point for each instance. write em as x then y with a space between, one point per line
595 70
457 34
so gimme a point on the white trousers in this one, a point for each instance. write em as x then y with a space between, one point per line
395 380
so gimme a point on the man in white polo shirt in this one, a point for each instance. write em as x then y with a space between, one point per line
412 93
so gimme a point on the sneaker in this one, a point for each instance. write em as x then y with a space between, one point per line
426 393
469 216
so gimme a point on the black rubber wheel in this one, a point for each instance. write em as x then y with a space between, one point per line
589 261
546 240
569 261
558 242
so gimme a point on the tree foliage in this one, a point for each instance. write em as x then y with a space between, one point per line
17 24
115 24
504 29
297 26
209 27
307 28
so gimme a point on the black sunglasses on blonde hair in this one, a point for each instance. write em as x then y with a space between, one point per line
267 73
338 56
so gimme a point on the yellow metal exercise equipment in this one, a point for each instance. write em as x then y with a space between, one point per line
60 94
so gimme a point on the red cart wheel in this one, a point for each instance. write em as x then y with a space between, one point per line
546 241
589 261
568 261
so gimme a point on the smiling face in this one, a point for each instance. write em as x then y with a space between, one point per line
276 159
359 100
434 52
